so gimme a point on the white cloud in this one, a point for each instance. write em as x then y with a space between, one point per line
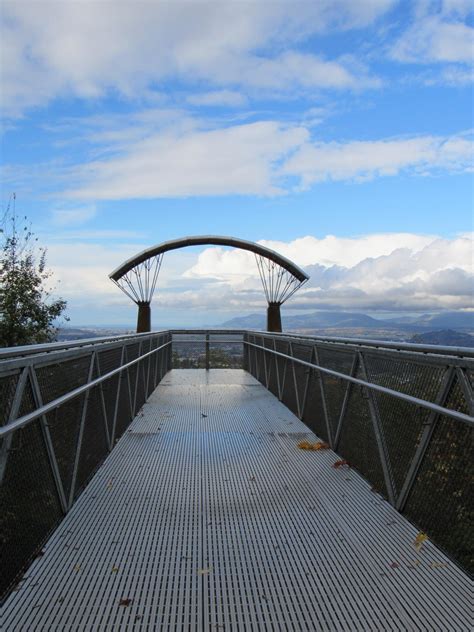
217 98
434 40
74 216
440 32
86 49
169 154
386 272
365 160
237 160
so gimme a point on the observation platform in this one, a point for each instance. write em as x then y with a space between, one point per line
207 516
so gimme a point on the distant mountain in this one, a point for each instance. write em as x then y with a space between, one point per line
451 320
446 337
314 320
351 320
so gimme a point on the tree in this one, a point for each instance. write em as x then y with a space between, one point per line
27 309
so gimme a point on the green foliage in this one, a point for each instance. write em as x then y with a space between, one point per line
27 309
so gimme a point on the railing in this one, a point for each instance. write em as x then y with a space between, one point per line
399 414
64 406
206 348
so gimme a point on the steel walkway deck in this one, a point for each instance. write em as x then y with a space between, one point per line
206 516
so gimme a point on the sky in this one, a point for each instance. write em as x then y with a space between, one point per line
337 132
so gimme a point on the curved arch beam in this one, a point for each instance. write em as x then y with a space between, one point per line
209 240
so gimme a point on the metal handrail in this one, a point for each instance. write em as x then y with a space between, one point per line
380 344
454 414
49 347
56 403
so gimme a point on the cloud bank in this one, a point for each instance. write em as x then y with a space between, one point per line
56 49
164 153
386 273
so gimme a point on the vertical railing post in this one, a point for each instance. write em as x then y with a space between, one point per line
207 353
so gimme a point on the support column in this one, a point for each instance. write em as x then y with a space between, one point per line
273 317
144 317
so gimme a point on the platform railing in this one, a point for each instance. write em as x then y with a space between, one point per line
63 408
399 414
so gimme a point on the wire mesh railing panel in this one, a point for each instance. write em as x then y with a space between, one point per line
384 410
64 425
29 502
440 501
402 422
272 376
357 442
207 349
59 378
8 384
334 388
313 413
65 411
299 374
124 408
93 445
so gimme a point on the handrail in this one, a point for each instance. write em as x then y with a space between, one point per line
381 344
48 347
55 403
454 414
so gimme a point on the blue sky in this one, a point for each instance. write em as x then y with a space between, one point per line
337 132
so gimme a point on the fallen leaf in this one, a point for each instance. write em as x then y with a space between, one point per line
77 568
317 445
340 463
125 602
115 569
204 571
321 445
438 565
394 565
305 445
420 540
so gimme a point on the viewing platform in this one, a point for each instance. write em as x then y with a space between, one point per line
206 514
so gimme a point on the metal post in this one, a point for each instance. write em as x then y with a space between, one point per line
273 317
207 353
144 317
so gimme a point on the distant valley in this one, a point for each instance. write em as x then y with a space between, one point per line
447 328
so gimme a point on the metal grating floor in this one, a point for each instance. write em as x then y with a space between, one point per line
206 516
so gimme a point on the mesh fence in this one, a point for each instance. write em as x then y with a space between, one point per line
423 458
45 464
224 351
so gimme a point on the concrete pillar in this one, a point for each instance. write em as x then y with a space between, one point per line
144 317
273 317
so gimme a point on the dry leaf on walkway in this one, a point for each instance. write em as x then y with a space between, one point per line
204 571
317 445
340 463
420 540
125 602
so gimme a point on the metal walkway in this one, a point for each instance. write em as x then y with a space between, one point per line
206 516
